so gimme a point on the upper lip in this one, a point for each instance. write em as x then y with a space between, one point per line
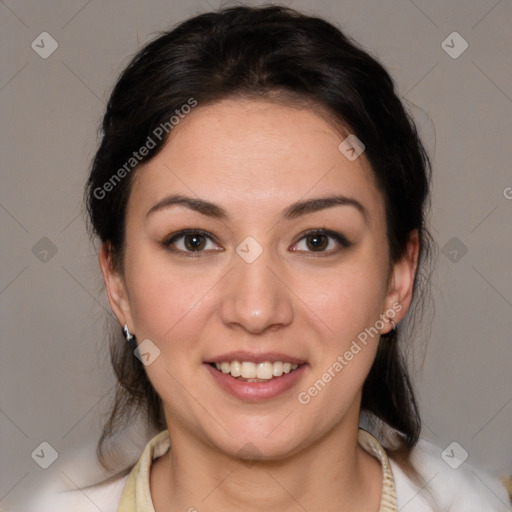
252 357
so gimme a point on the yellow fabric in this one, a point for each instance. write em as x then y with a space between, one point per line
507 482
136 496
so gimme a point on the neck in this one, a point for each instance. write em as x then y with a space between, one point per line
335 474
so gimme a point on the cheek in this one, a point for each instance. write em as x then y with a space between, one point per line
347 300
350 306
163 298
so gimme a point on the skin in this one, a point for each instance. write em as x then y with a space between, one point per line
255 158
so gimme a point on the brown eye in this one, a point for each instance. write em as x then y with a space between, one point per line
194 242
190 242
319 240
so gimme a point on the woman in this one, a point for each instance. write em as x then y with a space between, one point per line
261 198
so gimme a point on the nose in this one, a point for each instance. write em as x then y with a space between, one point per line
255 296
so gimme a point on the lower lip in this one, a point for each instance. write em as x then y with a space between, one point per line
256 391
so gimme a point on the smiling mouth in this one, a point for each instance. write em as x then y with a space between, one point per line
247 371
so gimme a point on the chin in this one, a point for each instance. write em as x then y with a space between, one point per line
268 438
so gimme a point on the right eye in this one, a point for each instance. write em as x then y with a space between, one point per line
190 241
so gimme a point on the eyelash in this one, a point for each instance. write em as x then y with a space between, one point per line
338 237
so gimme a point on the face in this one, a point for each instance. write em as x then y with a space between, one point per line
229 260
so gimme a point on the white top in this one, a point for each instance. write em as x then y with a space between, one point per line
463 489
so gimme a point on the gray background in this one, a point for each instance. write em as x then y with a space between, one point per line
56 382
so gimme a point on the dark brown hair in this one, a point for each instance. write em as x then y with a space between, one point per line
265 51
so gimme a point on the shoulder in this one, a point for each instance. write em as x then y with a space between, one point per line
447 485
63 494
60 496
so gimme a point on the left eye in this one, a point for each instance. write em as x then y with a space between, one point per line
322 241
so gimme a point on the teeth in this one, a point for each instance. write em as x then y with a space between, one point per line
248 370
256 371
264 370
236 369
277 369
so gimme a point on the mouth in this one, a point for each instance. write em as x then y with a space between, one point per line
263 378
247 371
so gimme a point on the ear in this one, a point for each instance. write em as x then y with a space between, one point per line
116 288
401 283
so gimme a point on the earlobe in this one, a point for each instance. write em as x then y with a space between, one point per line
402 281
115 285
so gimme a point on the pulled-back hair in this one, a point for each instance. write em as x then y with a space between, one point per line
276 53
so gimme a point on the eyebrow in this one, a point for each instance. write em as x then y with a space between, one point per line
292 212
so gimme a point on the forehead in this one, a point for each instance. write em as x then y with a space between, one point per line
255 155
